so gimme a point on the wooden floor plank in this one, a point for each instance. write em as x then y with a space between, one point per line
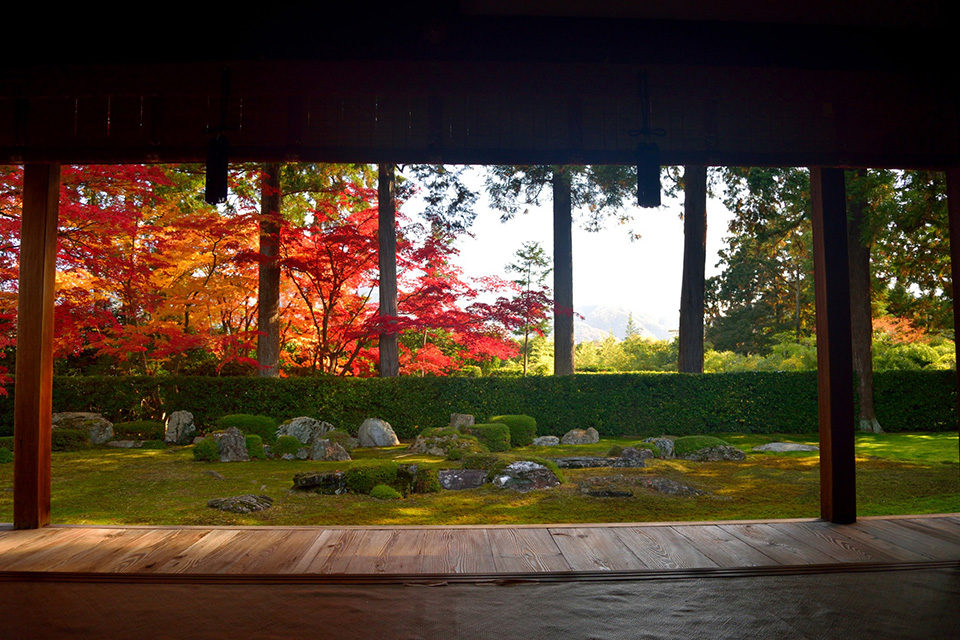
938 527
135 552
11 539
522 550
457 551
192 556
779 546
724 548
899 552
830 540
284 555
595 549
369 555
663 548
922 539
318 551
168 548
33 554
108 552
340 547
405 555
91 550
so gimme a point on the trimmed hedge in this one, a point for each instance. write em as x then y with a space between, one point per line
286 444
363 478
255 447
523 429
263 426
69 440
138 430
207 450
494 435
616 404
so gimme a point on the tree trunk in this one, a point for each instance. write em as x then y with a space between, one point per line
562 274
861 315
694 261
387 236
268 286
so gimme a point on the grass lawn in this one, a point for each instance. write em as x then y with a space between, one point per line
896 474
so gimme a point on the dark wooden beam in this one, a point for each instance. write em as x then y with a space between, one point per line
838 491
563 346
387 236
953 209
694 261
33 390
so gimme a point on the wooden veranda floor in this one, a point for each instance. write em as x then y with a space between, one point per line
169 553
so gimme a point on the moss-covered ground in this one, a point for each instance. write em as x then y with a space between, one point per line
896 474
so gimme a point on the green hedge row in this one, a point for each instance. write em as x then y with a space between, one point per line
616 404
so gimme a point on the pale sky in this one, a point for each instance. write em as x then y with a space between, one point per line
609 268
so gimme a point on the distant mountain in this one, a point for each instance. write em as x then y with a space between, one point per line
601 321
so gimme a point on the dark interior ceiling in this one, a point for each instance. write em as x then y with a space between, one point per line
734 82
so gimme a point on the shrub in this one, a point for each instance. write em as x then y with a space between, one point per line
385 492
439 432
523 429
207 450
503 462
5 455
69 440
615 451
426 481
480 461
6 442
689 444
263 426
363 478
341 437
153 444
286 444
255 447
494 436
648 445
138 430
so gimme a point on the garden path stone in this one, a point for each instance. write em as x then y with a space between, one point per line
458 420
241 504
304 429
377 433
581 436
546 441
232 444
525 475
786 446
457 479
328 451
590 462
125 444
98 429
327 482
213 474
179 428
716 454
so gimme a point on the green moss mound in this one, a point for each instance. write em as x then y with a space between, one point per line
494 436
255 447
5 455
69 440
523 429
647 445
485 461
689 444
363 478
138 430
207 450
263 426
342 438
385 492
285 445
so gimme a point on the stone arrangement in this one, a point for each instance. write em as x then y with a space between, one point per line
581 436
525 475
178 428
241 504
377 433
99 430
778 447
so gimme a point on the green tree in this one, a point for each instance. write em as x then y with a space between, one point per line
532 267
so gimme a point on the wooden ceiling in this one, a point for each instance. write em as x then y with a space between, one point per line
738 82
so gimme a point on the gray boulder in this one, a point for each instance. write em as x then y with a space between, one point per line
591 462
716 454
664 444
98 429
377 433
546 441
778 447
232 444
241 504
524 475
458 420
325 450
457 479
179 428
581 436
326 482
125 444
304 429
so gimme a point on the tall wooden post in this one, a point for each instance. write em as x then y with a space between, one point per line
953 211
387 236
268 286
838 495
694 262
562 274
33 390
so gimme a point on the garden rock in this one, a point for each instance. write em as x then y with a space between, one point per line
241 504
778 447
442 445
590 462
232 444
664 444
581 436
328 451
546 441
524 475
377 433
304 429
457 479
632 453
326 482
179 428
458 420
99 430
716 454
213 474
125 444
623 486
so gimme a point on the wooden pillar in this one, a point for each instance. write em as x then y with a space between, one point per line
562 274
694 262
953 211
33 390
387 236
268 286
838 491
